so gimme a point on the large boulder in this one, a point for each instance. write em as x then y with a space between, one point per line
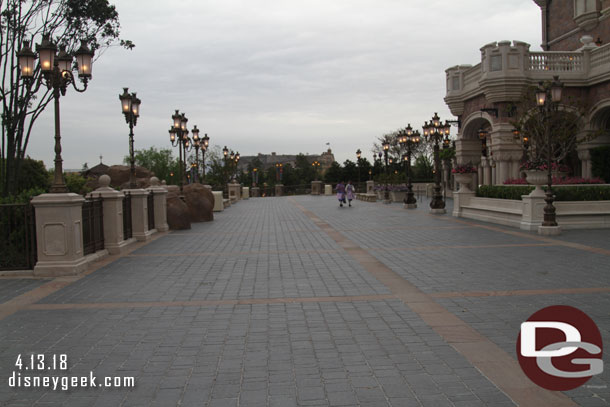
119 175
177 211
200 202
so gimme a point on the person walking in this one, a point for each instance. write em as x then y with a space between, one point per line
341 193
350 191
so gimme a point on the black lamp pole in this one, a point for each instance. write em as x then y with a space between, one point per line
130 105
547 99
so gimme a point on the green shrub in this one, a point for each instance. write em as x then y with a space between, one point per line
568 193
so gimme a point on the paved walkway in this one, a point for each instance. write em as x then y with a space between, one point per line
294 301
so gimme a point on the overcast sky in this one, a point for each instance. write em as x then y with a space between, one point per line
279 75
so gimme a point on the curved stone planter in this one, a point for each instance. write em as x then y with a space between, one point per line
537 178
464 180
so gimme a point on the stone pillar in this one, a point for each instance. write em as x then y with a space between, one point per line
370 187
502 174
256 192
234 191
139 215
112 201
328 190
59 234
245 193
219 205
160 199
461 198
316 187
279 190
533 212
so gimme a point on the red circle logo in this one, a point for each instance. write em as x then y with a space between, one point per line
559 348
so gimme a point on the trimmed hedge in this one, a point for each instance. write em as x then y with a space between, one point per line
567 193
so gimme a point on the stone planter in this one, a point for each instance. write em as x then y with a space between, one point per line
536 178
464 180
398 196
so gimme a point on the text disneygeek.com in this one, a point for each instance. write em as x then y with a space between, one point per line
41 363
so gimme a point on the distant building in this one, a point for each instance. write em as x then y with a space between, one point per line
269 160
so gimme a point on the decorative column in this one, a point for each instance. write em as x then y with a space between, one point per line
112 203
59 234
139 215
160 199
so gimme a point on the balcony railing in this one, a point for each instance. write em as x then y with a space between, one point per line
556 61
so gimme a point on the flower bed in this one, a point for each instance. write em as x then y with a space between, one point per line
562 193
559 181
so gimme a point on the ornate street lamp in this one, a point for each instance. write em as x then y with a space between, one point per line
205 143
279 168
57 73
254 177
409 139
434 132
315 165
130 105
386 192
548 99
358 155
178 136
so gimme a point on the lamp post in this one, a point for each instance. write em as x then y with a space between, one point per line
548 99
409 139
358 155
315 165
178 136
254 177
197 143
278 172
205 143
236 158
386 192
225 153
57 73
130 106
434 132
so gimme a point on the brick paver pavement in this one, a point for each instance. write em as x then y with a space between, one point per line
294 301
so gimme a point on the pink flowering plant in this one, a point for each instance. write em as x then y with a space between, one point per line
464 169
541 165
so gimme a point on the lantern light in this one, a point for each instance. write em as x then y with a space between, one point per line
26 59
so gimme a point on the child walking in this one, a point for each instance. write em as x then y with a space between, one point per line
350 191
341 193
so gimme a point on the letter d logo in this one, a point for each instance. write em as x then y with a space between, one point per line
559 348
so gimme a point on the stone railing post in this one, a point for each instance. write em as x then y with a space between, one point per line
256 192
316 187
160 199
112 203
370 187
139 214
279 190
245 193
234 191
59 234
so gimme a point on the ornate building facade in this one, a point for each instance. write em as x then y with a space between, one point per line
576 37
